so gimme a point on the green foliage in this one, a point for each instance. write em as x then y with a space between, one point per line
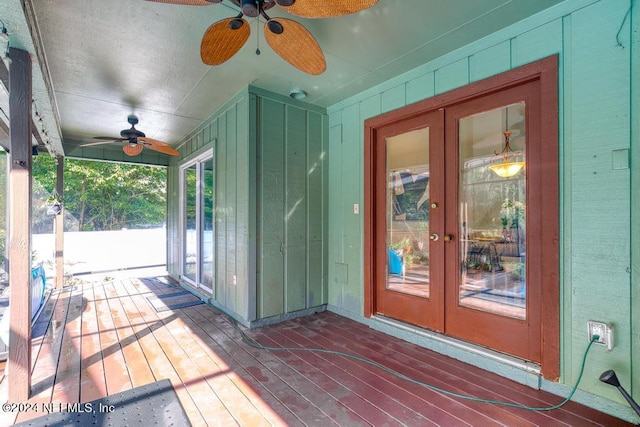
107 196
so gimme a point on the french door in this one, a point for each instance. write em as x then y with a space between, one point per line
457 207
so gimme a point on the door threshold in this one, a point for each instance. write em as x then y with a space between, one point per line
516 369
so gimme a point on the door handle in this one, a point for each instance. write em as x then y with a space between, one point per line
447 237
434 237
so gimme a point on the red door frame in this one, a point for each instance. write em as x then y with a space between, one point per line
546 177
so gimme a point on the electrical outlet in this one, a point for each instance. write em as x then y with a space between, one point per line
603 331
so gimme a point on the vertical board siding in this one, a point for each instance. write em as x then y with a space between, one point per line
599 105
595 104
292 201
230 188
337 228
316 205
452 76
222 213
417 89
296 209
173 220
270 204
635 200
490 62
245 208
272 228
352 180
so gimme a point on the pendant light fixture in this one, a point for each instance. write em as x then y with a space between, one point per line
507 167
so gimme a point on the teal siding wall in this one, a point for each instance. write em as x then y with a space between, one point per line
292 200
593 39
270 204
227 133
635 198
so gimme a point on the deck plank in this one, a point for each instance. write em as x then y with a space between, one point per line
356 390
204 397
67 385
137 364
159 363
484 384
331 407
269 389
50 346
433 375
92 376
106 337
117 373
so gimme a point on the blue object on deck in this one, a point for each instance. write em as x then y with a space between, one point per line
38 285
395 262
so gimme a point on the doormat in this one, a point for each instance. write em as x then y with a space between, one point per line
152 404
173 301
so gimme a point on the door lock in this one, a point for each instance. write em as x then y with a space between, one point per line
434 237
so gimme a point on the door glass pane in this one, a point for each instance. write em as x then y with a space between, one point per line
190 215
407 202
206 230
492 217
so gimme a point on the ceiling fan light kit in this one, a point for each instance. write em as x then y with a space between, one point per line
289 39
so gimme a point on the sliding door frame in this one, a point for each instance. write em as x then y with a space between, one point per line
198 162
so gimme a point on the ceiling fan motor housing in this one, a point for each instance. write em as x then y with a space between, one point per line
131 133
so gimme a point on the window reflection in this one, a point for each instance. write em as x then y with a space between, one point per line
492 214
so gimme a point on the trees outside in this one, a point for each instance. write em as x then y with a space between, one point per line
101 195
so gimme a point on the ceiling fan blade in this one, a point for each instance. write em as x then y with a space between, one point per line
325 8
220 42
109 138
188 2
100 143
159 146
132 150
296 45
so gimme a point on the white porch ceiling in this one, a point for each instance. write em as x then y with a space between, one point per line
108 59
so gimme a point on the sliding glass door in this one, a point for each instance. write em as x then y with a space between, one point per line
197 216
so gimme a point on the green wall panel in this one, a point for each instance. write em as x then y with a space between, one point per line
272 187
544 40
394 98
271 201
596 108
635 201
420 88
292 202
491 61
222 212
337 229
452 76
230 189
316 209
296 208
599 104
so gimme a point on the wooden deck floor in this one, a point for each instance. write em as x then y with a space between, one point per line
102 338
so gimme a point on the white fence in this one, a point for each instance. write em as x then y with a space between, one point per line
98 251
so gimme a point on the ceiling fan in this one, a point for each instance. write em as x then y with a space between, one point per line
136 141
289 39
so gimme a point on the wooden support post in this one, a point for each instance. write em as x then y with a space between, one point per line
20 98
59 224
